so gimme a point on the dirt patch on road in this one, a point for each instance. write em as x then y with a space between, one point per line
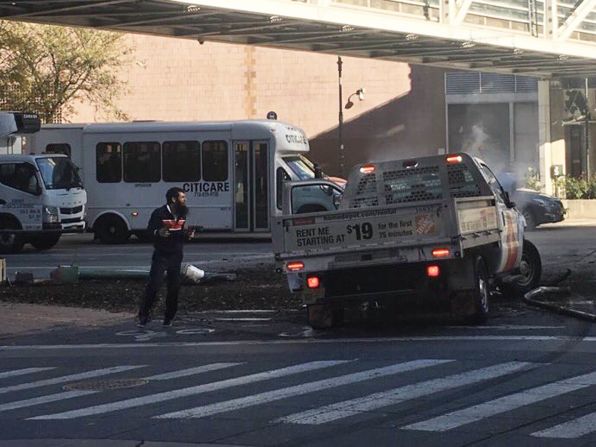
259 288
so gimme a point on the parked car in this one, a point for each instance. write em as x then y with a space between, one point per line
538 208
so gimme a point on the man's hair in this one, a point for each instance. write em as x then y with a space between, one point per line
173 193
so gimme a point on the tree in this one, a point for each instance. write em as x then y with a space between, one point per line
47 69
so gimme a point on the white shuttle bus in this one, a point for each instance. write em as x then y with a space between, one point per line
232 172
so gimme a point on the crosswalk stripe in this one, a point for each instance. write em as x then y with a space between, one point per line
191 391
21 372
44 400
401 394
572 429
504 404
73 394
69 378
283 393
192 371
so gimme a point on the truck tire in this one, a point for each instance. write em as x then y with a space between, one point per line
480 294
10 242
111 229
324 316
530 270
45 242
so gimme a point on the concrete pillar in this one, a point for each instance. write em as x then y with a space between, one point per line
551 136
544 135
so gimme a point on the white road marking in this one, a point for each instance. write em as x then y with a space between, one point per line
69 378
192 371
44 399
21 372
504 404
191 391
298 390
401 394
572 429
78 393
471 338
242 319
505 327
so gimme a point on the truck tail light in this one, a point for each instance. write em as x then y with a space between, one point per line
433 271
313 282
454 159
295 266
440 252
367 169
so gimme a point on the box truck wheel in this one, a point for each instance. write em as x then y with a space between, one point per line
45 242
10 242
111 229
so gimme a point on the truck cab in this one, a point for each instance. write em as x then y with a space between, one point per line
41 195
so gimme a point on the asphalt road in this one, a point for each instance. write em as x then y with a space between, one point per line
82 250
527 378
262 378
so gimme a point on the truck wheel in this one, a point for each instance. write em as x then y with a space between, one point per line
45 242
530 269
481 292
111 230
10 242
324 316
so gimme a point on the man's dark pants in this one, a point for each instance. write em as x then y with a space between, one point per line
160 264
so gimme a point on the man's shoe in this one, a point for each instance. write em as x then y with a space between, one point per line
142 322
167 323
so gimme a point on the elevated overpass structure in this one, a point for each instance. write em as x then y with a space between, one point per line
543 38
547 39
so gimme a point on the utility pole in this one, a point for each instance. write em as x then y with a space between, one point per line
341 117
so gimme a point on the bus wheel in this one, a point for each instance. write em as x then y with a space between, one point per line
10 242
111 230
45 242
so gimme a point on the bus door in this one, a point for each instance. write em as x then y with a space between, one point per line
251 186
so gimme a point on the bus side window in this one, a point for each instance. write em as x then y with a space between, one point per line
181 161
58 148
142 162
215 161
108 162
281 177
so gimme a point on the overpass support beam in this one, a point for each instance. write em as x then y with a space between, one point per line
551 146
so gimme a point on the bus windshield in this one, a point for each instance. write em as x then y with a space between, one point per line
59 173
301 166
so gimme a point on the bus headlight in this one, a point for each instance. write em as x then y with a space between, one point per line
51 214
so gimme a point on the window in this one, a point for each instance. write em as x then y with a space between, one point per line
108 162
19 176
412 185
142 162
281 177
58 148
493 183
215 161
59 173
181 161
301 166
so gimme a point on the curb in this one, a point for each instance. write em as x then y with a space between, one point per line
563 310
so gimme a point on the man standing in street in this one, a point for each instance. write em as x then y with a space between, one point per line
166 226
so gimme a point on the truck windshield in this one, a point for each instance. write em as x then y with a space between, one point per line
301 166
59 173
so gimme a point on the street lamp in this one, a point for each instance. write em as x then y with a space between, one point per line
349 104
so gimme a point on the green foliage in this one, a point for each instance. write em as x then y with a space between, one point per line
48 69
580 188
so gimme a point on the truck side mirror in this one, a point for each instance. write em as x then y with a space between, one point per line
508 201
318 171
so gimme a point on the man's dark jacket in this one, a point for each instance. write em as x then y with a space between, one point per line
162 217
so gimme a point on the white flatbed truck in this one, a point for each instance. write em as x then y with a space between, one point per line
439 229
